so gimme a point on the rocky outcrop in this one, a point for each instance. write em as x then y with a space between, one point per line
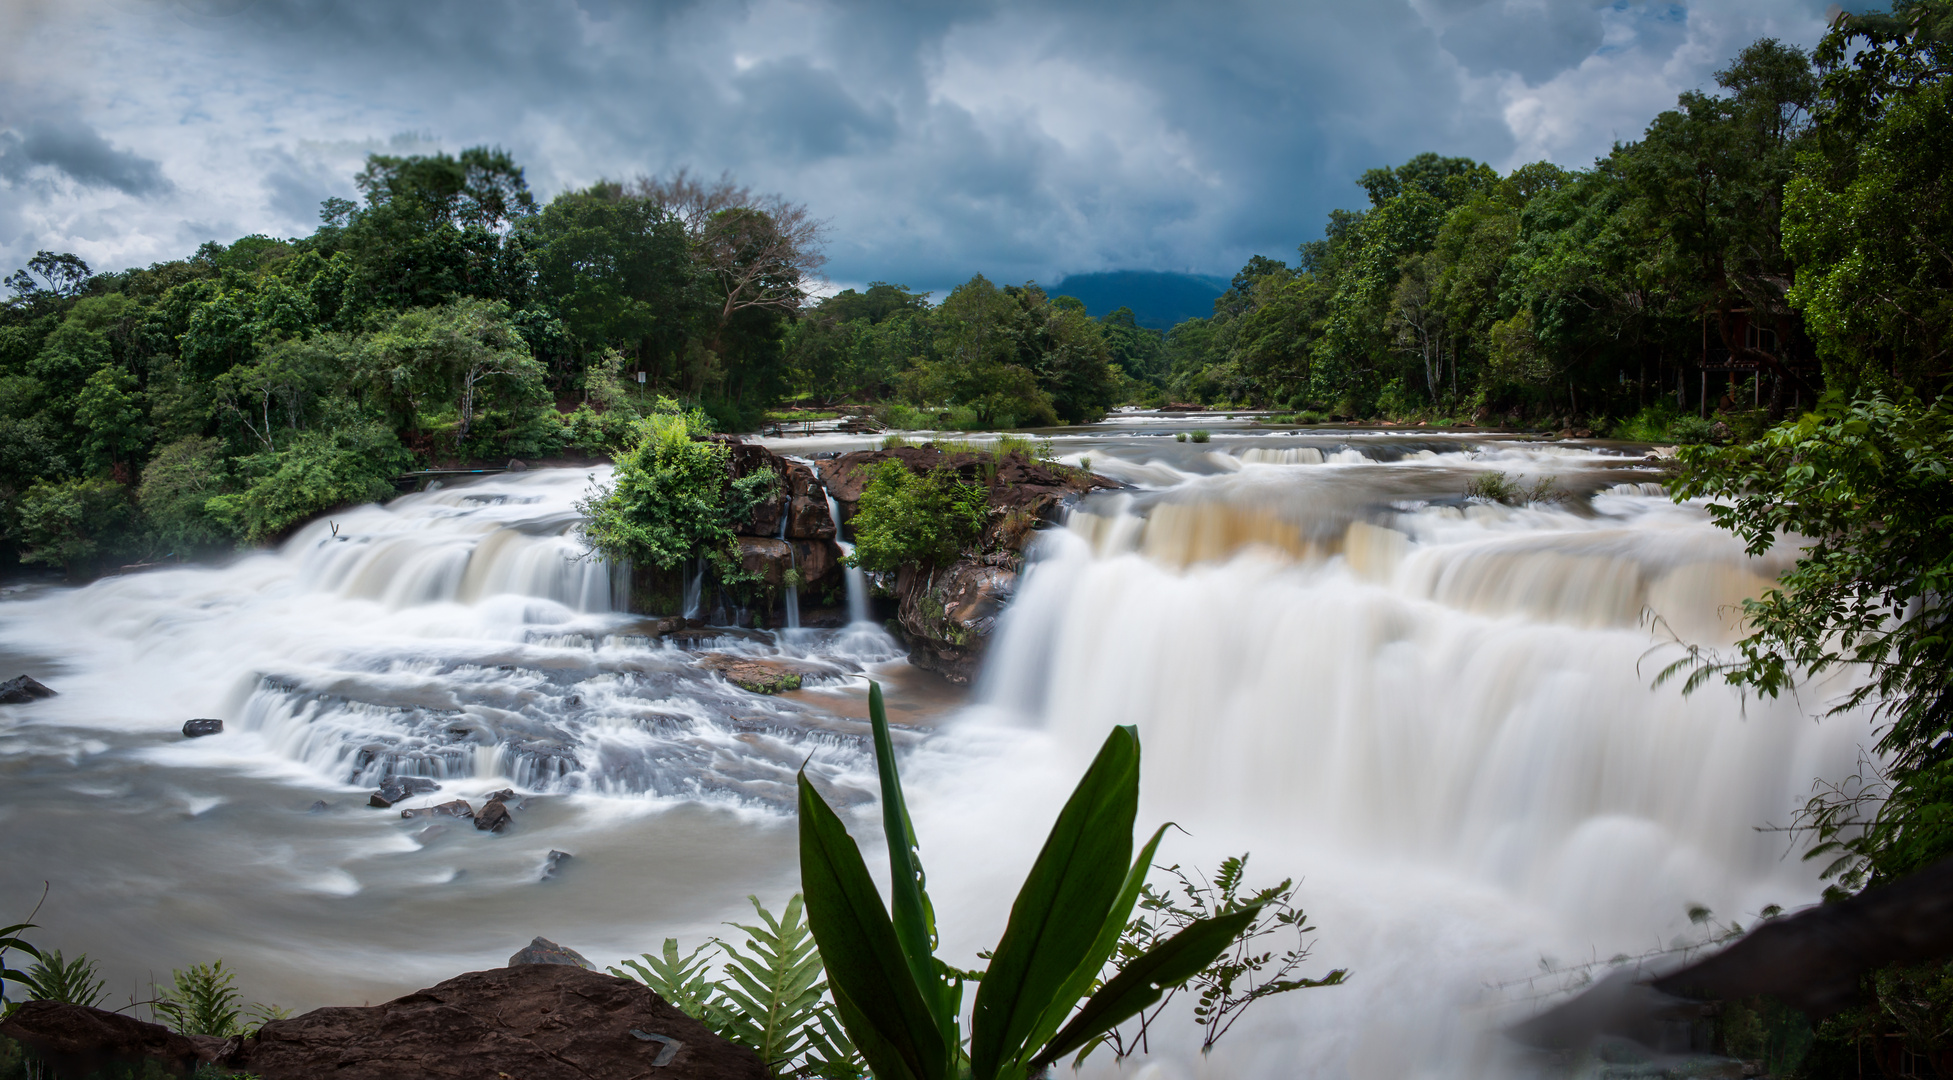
544 951
548 1021
75 1040
399 789
947 613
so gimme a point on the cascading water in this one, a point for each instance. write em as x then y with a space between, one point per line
856 581
792 598
1436 712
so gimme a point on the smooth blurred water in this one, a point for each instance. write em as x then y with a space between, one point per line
1437 713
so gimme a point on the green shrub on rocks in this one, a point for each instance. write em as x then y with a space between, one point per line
904 517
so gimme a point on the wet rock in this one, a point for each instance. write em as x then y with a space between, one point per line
949 614
534 1021
319 806
74 1040
765 557
761 676
22 689
544 951
400 788
504 795
194 729
456 808
494 817
553 863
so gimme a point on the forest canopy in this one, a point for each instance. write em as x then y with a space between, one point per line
1778 235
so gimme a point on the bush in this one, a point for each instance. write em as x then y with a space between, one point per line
316 472
178 483
1199 435
669 500
1692 430
906 518
79 525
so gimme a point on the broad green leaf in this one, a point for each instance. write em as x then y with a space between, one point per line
1056 918
1167 964
879 1002
908 903
1088 969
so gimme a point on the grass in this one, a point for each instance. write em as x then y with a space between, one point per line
777 416
1199 435
1499 488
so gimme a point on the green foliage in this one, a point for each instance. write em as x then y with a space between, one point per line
906 518
177 487
55 978
1243 974
204 1000
901 1004
1199 435
315 472
773 1000
1867 484
10 940
670 499
78 525
1500 488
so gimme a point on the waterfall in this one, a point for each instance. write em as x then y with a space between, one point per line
695 588
792 598
857 582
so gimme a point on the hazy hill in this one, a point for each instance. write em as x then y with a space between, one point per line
1157 298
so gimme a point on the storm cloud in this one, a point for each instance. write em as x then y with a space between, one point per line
1020 141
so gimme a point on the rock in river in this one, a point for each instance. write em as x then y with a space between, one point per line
22 689
544 951
399 788
458 808
193 729
493 817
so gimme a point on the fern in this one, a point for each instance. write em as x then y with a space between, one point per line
679 980
202 1001
10 939
776 987
55 978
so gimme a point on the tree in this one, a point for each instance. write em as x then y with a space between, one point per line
1869 215
63 275
466 355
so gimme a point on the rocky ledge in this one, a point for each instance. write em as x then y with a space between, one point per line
553 1020
948 612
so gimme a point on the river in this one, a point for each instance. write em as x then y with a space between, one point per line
1438 714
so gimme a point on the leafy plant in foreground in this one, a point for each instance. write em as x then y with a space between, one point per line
901 1004
10 939
204 1001
55 978
775 1001
1242 975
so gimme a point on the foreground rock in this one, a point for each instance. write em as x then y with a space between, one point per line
399 789
22 689
74 1040
197 729
535 1021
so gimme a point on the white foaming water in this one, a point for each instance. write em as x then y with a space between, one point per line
1440 714
1436 712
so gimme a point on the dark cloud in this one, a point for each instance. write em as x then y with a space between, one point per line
77 150
939 140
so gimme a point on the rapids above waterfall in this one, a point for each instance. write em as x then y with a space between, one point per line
1439 712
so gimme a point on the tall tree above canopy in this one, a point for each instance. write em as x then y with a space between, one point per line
484 187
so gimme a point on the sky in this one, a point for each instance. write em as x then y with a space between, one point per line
937 140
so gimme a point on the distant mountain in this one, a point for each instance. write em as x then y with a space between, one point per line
1157 298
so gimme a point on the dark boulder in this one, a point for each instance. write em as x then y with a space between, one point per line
494 817
534 1021
75 1040
504 795
400 788
544 951
22 689
553 865
456 808
195 729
